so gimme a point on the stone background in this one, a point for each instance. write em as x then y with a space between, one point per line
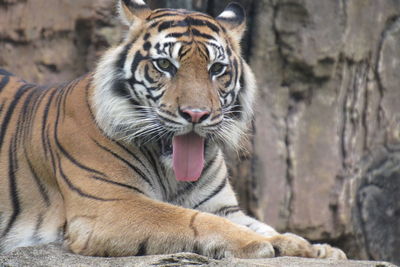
324 157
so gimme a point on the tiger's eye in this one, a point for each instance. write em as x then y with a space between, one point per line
164 64
217 68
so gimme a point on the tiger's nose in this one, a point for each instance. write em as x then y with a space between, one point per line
194 115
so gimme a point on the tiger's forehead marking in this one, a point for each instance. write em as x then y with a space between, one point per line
178 29
172 19
178 50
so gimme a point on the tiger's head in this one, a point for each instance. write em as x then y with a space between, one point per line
177 80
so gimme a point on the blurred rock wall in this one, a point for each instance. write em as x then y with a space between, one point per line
324 157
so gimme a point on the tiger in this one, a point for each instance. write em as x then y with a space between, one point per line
128 160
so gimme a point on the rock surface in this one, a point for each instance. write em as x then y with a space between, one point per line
51 255
324 160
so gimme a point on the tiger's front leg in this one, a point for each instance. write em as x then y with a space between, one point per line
141 226
225 204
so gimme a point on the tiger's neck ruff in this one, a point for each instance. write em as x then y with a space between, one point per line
177 80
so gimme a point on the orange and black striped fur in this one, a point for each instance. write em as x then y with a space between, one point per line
90 163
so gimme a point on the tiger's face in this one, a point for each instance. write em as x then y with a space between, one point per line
178 80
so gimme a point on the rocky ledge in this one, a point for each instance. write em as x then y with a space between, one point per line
53 255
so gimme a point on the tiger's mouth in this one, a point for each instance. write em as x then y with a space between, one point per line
187 152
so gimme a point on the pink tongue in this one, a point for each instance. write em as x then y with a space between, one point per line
188 156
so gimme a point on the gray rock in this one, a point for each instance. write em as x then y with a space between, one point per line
53 255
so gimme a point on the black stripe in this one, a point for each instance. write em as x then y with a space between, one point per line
34 113
235 70
237 106
89 107
40 185
177 34
134 156
236 110
3 102
211 163
168 120
156 98
118 184
21 91
12 168
229 51
152 160
4 81
219 115
53 161
157 47
136 169
171 24
203 35
23 116
203 16
147 46
132 83
146 36
73 160
76 189
122 57
142 248
214 163
162 16
229 82
165 10
27 114
39 222
183 54
242 82
136 60
44 122
147 76
199 22
68 90
120 88
225 211
5 73
168 112
213 193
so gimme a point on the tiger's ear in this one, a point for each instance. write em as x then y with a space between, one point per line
233 18
131 11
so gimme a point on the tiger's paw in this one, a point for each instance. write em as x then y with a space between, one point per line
257 249
325 251
293 245
246 250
